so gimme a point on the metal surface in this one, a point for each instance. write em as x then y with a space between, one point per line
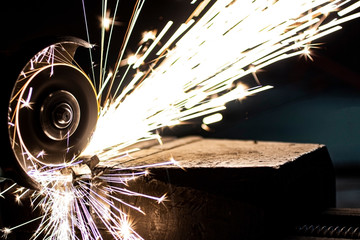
229 189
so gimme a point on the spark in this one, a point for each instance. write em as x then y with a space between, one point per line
307 53
349 9
27 102
19 190
105 83
125 230
155 42
132 59
161 199
106 21
41 154
6 231
148 35
88 39
217 117
176 163
12 186
177 34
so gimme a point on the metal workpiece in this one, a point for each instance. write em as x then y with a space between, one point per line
231 189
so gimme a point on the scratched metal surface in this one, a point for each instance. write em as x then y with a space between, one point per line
190 152
228 189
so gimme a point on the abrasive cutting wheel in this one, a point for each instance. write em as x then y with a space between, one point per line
52 112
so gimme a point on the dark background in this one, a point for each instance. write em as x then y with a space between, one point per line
313 101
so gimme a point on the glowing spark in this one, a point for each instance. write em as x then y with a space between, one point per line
217 117
177 34
155 42
105 83
27 102
125 230
349 9
18 199
41 154
307 53
132 59
88 39
148 35
2 193
106 21
175 163
6 232
20 189
199 9
161 199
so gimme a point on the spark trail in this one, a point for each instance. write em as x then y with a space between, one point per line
192 74
200 67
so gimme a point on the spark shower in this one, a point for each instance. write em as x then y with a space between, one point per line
176 74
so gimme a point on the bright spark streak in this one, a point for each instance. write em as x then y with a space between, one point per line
217 117
27 102
2 193
177 34
104 85
155 42
349 9
6 231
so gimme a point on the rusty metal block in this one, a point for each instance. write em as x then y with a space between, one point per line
231 189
